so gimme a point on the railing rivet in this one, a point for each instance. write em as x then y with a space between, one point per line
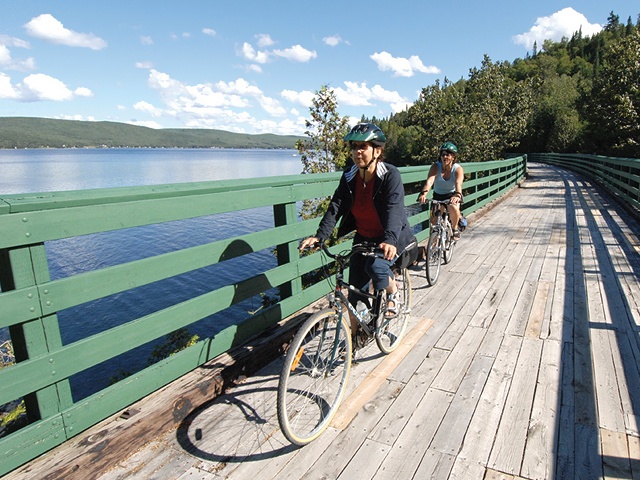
28 235
24 220
32 309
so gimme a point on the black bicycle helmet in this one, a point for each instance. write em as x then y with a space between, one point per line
367 132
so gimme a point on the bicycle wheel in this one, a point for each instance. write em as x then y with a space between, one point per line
314 377
389 331
449 243
433 257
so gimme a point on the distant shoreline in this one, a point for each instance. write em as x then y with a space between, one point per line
37 133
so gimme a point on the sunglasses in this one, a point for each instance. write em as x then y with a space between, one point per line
358 146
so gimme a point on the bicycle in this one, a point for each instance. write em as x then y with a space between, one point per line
441 242
318 361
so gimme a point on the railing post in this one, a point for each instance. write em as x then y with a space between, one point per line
27 267
287 214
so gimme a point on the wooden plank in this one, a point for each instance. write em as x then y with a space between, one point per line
394 420
451 433
338 454
634 456
356 400
628 379
538 310
482 429
455 368
435 466
615 454
507 452
366 461
565 451
410 447
539 455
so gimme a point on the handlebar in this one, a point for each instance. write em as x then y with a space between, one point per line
368 249
440 202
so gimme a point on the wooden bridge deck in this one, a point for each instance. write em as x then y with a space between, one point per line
522 362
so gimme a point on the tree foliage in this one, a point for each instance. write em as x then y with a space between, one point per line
580 94
324 149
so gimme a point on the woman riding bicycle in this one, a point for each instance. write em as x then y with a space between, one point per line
446 176
370 200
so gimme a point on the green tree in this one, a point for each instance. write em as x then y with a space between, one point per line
615 99
433 119
495 112
324 150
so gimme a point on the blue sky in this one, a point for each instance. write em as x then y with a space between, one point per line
253 67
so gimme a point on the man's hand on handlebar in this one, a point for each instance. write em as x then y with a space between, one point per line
310 242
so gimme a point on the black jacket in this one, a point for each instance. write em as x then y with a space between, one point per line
388 199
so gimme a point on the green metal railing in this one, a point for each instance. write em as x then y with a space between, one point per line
30 300
619 176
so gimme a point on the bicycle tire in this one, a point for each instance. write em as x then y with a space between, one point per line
434 257
447 254
389 331
314 377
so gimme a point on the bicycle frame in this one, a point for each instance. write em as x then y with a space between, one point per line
341 284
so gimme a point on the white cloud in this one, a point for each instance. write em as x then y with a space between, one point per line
209 31
39 87
272 106
402 67
207 102
264 40
83 92
148 108
304 98
563 23
146 40
240 87
48 28
297 53
252 67
75 117
5 56
254 56
6 89
332 40
10 41
149 123
7 61
43 87
147 65
360 95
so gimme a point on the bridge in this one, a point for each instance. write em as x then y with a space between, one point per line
520 363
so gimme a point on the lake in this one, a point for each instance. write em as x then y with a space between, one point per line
45 170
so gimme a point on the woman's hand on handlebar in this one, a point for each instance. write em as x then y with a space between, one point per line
310 242
389 251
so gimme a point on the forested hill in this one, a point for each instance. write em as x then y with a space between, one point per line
22 132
